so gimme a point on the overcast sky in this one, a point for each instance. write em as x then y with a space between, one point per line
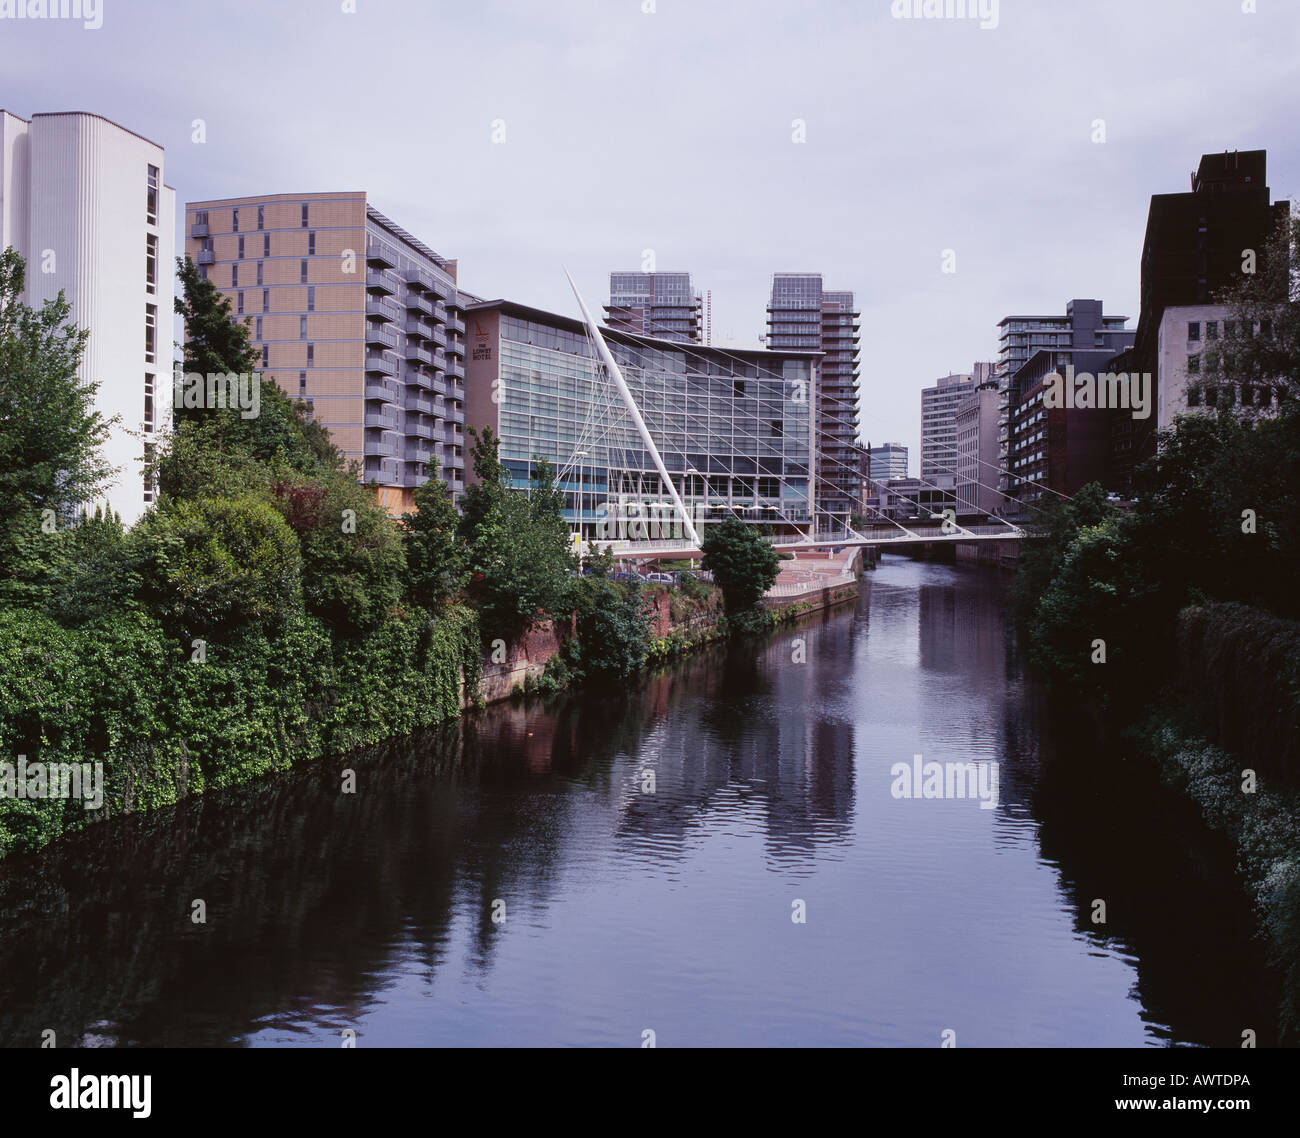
673 130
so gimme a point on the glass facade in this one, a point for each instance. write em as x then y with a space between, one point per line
733 429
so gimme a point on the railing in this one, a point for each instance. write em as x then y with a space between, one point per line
380 389
382 306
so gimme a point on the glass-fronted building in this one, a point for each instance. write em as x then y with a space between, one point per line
734 427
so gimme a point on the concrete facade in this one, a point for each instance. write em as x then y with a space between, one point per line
86 204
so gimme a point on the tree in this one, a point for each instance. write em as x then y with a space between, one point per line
50 433
435 566
215 343
213 564
613 627
517 550
744 566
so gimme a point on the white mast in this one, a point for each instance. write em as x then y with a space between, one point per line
611 366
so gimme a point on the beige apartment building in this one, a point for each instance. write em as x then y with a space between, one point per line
353 315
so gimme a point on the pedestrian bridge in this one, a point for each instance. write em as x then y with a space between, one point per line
843 538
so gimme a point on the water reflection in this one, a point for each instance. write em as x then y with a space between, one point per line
509 879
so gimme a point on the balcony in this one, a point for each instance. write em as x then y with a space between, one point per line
379 253
455 324
385 420
381 362
411 479
418 303
438 336
382 389
199 229
204 257
415 352
442 288
384 280
418 401
415 326
383 306
376 333
417 450
387 443
424 431
418 276
456 347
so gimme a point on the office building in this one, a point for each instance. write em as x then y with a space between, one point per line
655 304
939 423
1081 327
976 431
802 315
889 460
86 203
355 316
1196 245
730 435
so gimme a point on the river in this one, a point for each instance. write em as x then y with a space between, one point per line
517 878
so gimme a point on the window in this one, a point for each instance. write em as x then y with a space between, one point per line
148 401
234 276
149 450
151 262
266 355
234 221
302 277
311 354
302 383
776 429
1229 327
1193 365
311 298
151 333
311 244
261 217
258 333
239 303
151 197
241 248
737 388
259 272
1211 329
1194 330
266 300
304 215
302 327
1266 328
266 245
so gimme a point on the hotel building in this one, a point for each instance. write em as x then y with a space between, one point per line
354 315
734 427
85 202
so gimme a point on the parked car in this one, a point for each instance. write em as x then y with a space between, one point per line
660 579
629 577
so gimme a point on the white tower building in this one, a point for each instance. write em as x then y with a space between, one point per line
84 201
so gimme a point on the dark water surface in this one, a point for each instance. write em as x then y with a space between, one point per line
627 911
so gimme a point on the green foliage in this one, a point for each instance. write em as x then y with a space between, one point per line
744 566
516 549
212 564
50 433
613 629
214 342
599 562
435 568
